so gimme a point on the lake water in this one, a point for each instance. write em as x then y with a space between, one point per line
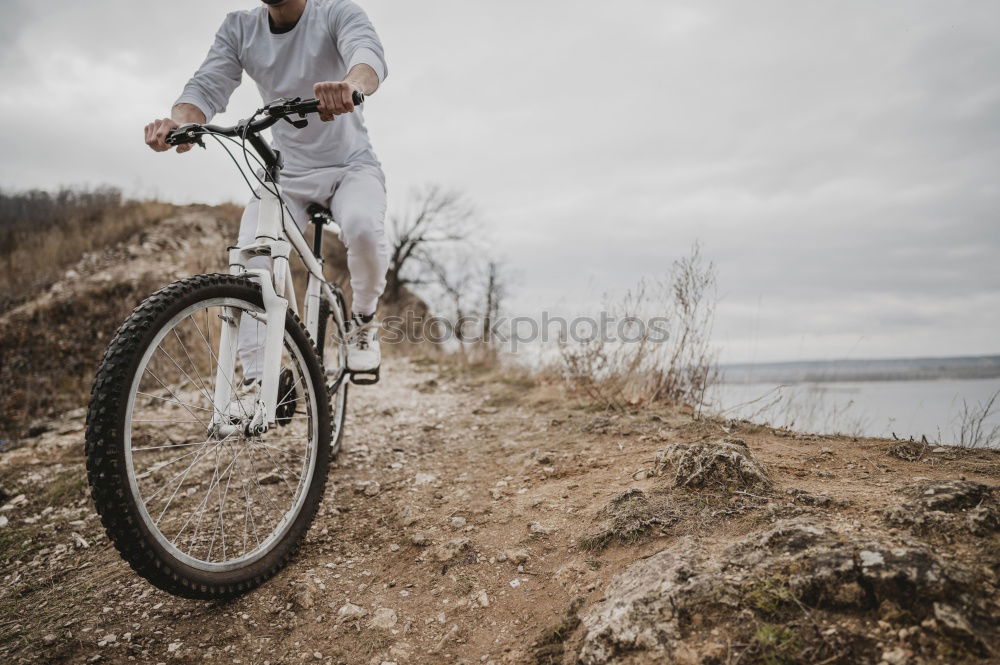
931 408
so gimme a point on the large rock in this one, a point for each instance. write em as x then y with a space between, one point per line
941 508
948 495
725 464
666 606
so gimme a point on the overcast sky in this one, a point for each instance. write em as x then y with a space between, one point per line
838 161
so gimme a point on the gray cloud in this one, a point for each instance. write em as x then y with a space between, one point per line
838 161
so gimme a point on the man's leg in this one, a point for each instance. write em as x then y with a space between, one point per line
359 206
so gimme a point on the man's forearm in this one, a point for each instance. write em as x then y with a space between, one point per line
364 77
185 113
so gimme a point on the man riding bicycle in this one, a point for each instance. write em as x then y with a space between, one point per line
302 48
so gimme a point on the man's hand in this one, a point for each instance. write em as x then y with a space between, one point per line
335 97
156 135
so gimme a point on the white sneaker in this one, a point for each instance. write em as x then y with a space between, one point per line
244 402
363 352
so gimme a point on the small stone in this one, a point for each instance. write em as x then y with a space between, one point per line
483 599
420 539
174 646
49 639
304 599
424 479
896 656
3 521
372 489
538 529
448 550
869 558
394 547
384 618
458 522
408 515
351 611
517 556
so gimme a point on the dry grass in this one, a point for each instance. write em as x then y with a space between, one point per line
42 233
630 517
973 429
48 353
648 369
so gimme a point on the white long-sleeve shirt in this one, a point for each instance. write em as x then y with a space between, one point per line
330 38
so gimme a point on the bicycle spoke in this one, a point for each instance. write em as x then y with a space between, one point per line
172 394
261 490
208 345
139 392
277 465
174 445
194 366
159 466
282 450
198 459
188 376
222 504
217 500
204 502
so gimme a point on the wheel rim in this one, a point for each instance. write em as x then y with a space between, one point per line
335 363
189 486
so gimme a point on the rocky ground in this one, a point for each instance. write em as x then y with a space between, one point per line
483 516
477 516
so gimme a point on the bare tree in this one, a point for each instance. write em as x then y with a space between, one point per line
494 291
434 217
452 277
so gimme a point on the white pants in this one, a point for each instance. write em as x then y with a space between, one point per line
356 197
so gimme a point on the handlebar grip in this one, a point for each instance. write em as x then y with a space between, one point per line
358 98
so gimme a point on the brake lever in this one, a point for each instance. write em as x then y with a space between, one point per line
297 124
188 132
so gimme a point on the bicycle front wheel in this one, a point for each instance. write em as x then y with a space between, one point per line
199 510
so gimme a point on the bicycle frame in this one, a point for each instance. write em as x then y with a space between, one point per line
274 238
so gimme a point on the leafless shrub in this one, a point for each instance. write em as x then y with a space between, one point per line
646 370
973 429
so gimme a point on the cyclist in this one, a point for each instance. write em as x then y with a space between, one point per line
304 48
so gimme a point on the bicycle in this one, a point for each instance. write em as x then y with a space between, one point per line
205 491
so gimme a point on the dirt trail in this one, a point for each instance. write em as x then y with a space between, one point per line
449 532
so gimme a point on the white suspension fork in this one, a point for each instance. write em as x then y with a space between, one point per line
270 242
225 372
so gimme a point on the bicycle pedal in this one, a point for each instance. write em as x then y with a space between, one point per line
365 378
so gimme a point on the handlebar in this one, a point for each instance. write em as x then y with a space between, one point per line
280 109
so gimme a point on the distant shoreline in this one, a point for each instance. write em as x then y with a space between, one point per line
889 369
